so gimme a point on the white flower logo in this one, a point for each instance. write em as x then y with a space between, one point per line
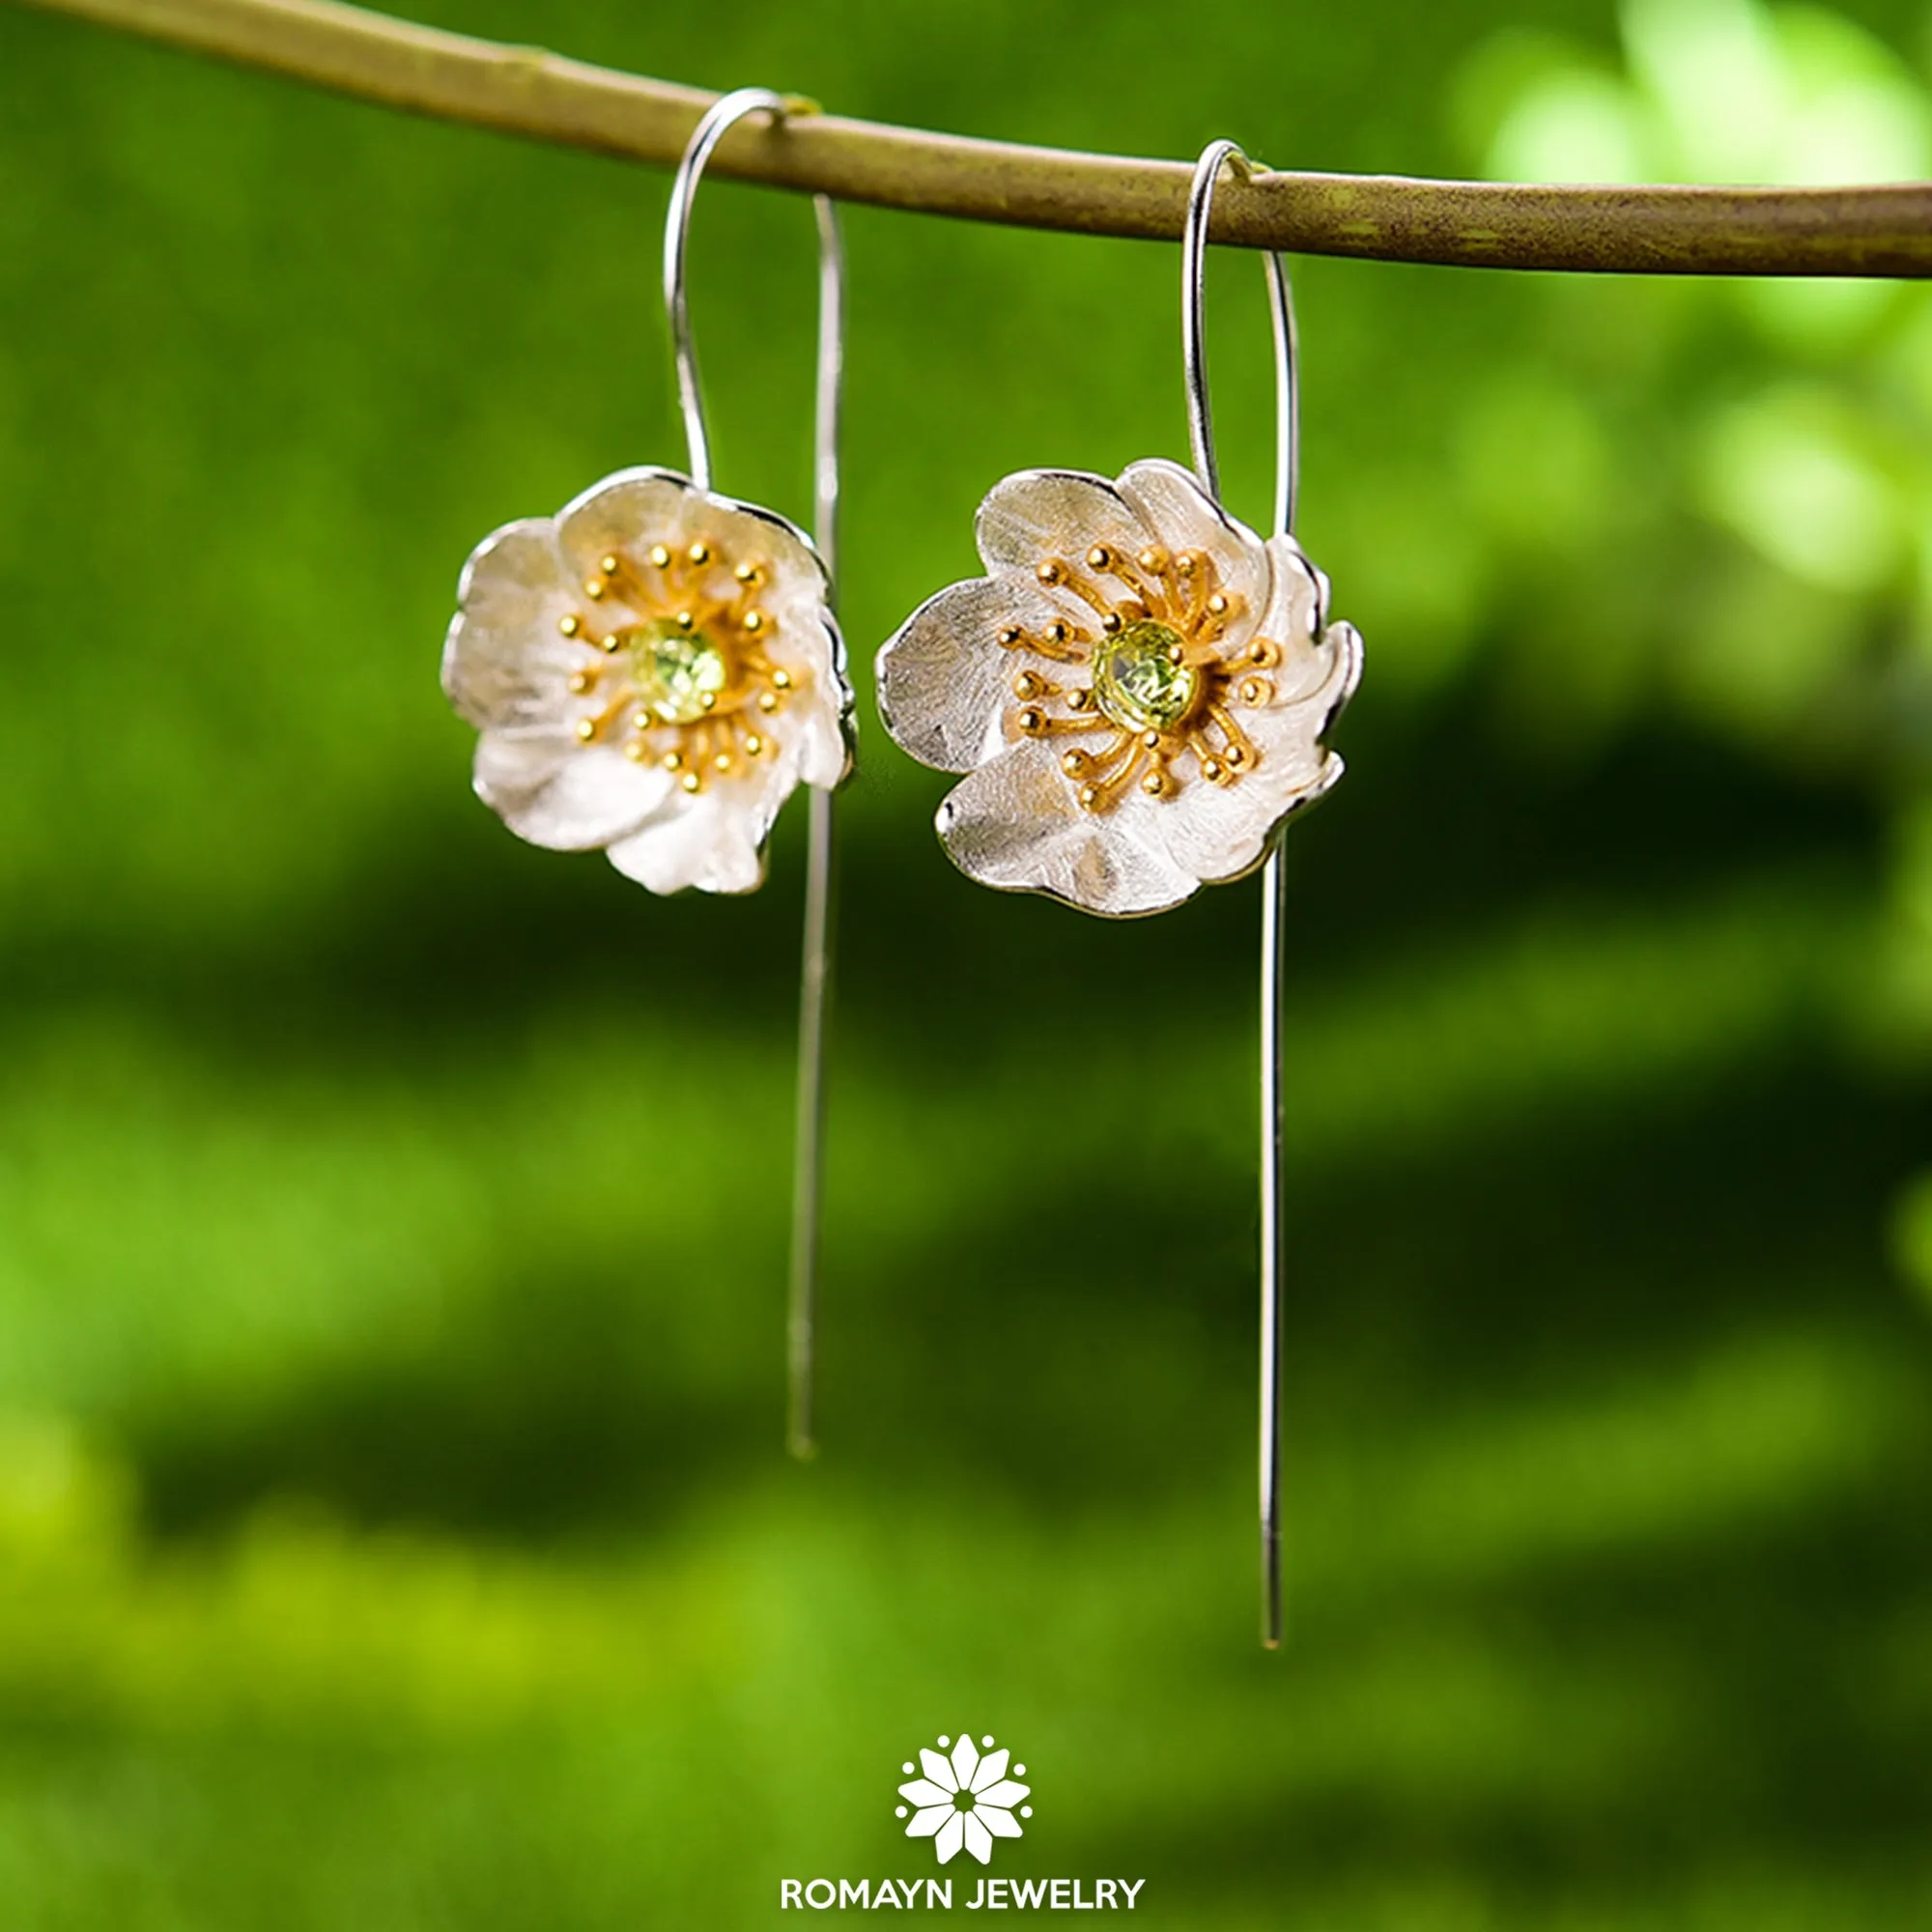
964 1800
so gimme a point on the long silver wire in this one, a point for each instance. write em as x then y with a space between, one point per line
814 985
1214 157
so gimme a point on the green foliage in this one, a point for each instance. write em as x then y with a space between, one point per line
393 1532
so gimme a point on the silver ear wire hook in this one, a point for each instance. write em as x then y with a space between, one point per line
1274 886
816 969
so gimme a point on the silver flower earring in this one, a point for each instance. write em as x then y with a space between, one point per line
653 670
1137 693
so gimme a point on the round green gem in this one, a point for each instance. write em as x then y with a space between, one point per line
1137 681
676 670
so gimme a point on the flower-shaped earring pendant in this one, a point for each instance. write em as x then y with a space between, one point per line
1137 690
654 671
1138 693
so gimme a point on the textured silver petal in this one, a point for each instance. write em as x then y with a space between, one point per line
556 792
944 678
1014 824
708 845
1039 514
504 662
1177 512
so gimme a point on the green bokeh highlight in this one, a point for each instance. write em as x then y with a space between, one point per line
394 1531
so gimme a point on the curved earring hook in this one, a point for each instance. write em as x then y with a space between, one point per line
814 997
1216 155
719 118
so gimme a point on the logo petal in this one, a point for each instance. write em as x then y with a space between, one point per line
1001 1823
925 1823
939 1771
992 1768
951 1834
1005 1794
979 1840
965 1761
922 1792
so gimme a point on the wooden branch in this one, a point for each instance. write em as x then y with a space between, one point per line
1737 231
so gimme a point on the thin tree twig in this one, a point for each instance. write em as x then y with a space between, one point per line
1838 231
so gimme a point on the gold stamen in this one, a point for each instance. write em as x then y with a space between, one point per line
660 557
611 643
580 681
1049 572
690 781
700 553
782 680
586 728
722 762
1009 635
1152 561
1217 605
1155 783
637 751
1255 691
750 573
1212 770
708 700
1111 622
1099 557
1079 699
754 621
753 745
593 588
768 701
1152 740
570 625
1031 720
611 564
1027 684
1056 633
1090 796
1074 763
674 761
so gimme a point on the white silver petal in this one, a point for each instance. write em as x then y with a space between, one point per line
1178 513
1037 515
504 662
706 843
944 678
556 792
1015 824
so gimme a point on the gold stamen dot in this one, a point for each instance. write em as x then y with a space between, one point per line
580 681
700 553
660 557
1255 691
593 590
1217 604
1099 557
1261 652
1237 758
611 643
708 700
753 745
610 564
768 701
687 620
1152 561
1212 770
1155 783
722 762
1111 622
1048 572
690 781
1152 740
1176 654
1026 685
1031 720
782 680
1011 635
750 573
586 729
1090 796
674 761
637 751
754 621
1056 633
1079 699
570 625
1183 564
1073 764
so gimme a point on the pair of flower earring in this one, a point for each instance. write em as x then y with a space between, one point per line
1137 694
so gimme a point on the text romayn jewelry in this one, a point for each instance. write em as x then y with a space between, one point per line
1137 693
654 669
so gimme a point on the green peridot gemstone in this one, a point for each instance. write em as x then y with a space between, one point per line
676 670
1137 681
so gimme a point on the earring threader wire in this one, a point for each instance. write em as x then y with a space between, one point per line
814 999
1218 155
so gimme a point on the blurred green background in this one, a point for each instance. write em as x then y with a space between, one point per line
393 1527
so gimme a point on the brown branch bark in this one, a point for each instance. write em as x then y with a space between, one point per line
1839 231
